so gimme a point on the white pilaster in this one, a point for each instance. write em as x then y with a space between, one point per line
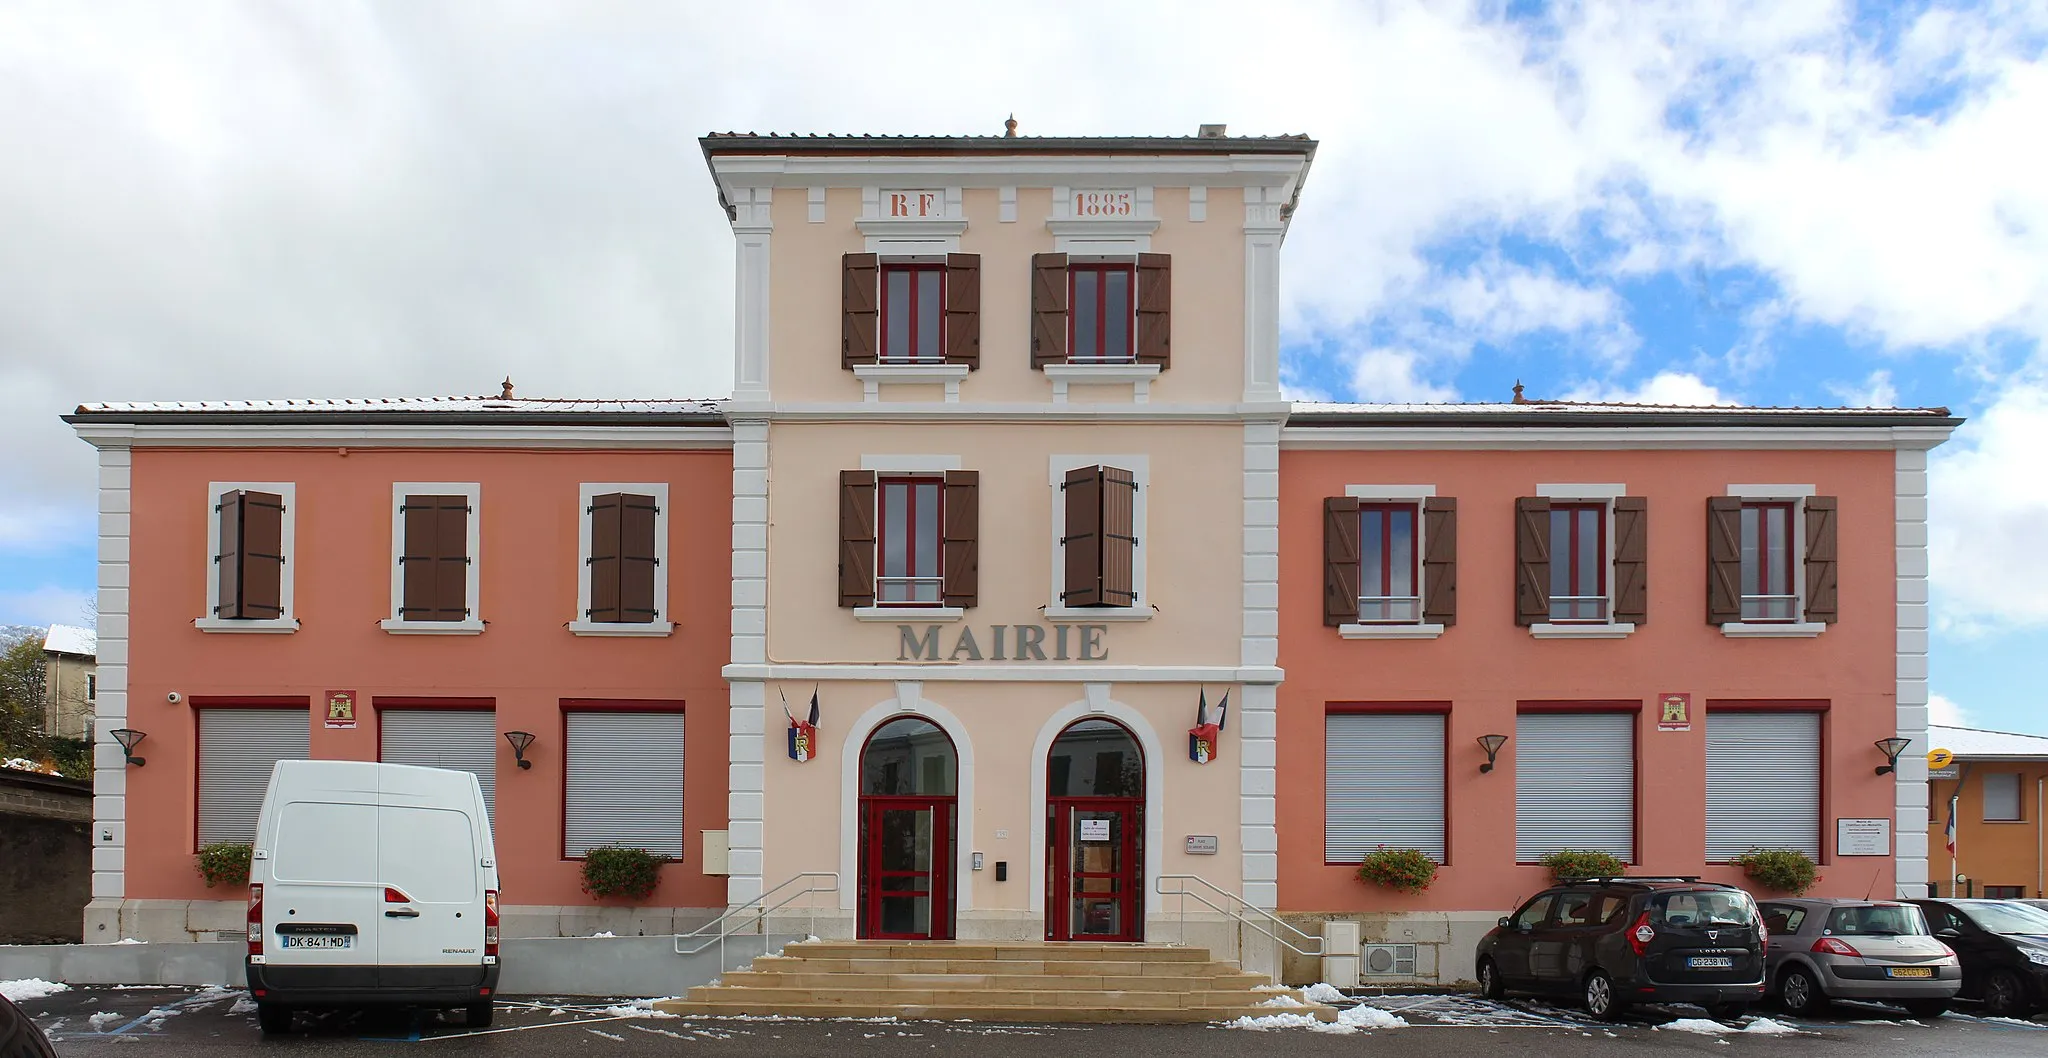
746 805
1909 823
751 226
110 771
1255 722
1264 228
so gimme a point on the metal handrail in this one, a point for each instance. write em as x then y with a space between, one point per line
1234 914
762 909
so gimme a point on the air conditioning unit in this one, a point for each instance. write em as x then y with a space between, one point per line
1387 960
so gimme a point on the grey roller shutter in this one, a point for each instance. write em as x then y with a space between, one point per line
1575 784
1763 783
237 748
462 739
625 783
1383 784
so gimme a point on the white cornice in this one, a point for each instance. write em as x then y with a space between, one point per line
1023 673
1516 438
104 435
1250 170
905 411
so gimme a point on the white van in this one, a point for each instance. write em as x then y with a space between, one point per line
372 884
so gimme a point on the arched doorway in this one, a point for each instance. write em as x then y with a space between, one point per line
1095 834
909 780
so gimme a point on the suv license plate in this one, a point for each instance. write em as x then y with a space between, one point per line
1710 962
315 940
1911 971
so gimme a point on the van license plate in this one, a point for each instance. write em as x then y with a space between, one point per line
1710 962
1911 971
314 940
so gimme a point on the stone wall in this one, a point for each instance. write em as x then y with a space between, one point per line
45 858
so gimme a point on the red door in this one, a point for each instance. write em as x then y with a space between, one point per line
905 878
1097 851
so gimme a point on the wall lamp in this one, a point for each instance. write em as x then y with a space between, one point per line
1891 748
1491 744
128 737
520 740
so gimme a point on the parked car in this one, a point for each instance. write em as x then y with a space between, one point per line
2038 905
19 1036
1613 942
372 885
1827 949
2004 949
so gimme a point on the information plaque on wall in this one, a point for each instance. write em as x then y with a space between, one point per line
1201 844
1863 837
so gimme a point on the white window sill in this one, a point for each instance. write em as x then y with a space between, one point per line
1097 614
607 628
873 375
1390 631
283 625
1139 376
1578 631
897 614
470 627
1774 630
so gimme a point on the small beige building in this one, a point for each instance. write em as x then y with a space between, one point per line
70 680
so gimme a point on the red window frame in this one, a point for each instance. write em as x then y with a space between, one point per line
921 566
1567 552
914 330
1773 580
1384 558
1101 272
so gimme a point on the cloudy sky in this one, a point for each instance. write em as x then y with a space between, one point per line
1781 202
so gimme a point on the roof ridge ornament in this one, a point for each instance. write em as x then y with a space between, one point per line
1010 126
506 394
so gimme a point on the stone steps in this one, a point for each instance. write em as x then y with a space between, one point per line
1021 982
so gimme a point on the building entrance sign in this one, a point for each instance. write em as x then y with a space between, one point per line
1059 642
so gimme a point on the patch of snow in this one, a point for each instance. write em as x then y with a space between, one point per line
1364 1017
30 988
606 933
130 940
24 764
639 1008
606 1035
1273 1021
1705 1027
1348 1021
101 1020
2012 1021
1324 993
244 1005
1283 1001
1269 988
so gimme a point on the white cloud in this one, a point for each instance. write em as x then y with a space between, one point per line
1987 504
44 606
1875 391
1946 713
1665 387
1389 375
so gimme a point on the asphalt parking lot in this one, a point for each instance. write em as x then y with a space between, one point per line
96 1020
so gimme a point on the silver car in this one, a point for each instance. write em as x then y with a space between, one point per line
1881 950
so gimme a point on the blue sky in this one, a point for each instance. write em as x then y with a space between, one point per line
1782 202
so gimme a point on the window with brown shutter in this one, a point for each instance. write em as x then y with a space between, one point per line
1440 561
961 557
249 565
1048 309
856 538
1100 542
1631 559
963 310
1340 560
859 308
1821 605
434 562
1724 560
1532 560
624 563
1155 308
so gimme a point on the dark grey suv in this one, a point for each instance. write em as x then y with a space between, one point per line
1613 942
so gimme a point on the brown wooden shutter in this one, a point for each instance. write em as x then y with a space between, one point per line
1048 309
451 558
604 559
1820 560
1155 308
860 302
960 553
638 518
1340 560
416 559
1532 560
228 561
1119 537
1631 560
1724 560
856 538
262 556
1082 541
1440 560
963 309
